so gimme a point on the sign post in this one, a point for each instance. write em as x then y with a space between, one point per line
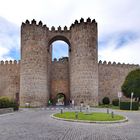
131 100
119 96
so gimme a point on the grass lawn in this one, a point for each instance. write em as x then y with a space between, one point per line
95 116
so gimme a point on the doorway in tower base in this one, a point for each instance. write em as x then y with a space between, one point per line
60 99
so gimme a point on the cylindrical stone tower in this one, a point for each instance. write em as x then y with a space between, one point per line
84 62
33 68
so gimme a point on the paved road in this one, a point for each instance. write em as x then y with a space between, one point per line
36 124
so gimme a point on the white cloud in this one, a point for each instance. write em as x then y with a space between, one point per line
113 17
9 39
129 53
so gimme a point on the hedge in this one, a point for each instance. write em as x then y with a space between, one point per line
126 106
5 102
106 101
115 102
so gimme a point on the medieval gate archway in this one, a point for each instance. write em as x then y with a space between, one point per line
59 74
36 66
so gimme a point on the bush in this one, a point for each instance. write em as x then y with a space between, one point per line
126 106
5 102
132 84
115 102
106 101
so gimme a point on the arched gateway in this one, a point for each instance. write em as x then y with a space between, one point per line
77 75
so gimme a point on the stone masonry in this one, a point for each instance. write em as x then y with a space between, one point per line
60 79
9 78
80 77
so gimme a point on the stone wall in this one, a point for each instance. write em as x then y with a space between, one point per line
111 78
34 65
84 63
60 78
37 78
9 78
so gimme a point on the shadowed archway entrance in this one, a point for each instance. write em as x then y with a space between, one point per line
60 99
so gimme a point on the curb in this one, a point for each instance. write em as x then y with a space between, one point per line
97 122
5 114
127 110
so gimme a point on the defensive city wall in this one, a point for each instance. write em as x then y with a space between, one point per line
80 77
9 78
111 77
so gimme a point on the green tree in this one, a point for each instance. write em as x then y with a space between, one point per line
132 84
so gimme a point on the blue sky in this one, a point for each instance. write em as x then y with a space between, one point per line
118 25
60 49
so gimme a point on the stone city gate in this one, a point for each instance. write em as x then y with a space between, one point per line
77 77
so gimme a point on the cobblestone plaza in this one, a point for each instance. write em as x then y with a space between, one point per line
36 124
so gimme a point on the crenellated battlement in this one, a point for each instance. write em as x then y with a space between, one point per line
10 62
81 21
34 23
40 24
58 29
63 60
117 64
